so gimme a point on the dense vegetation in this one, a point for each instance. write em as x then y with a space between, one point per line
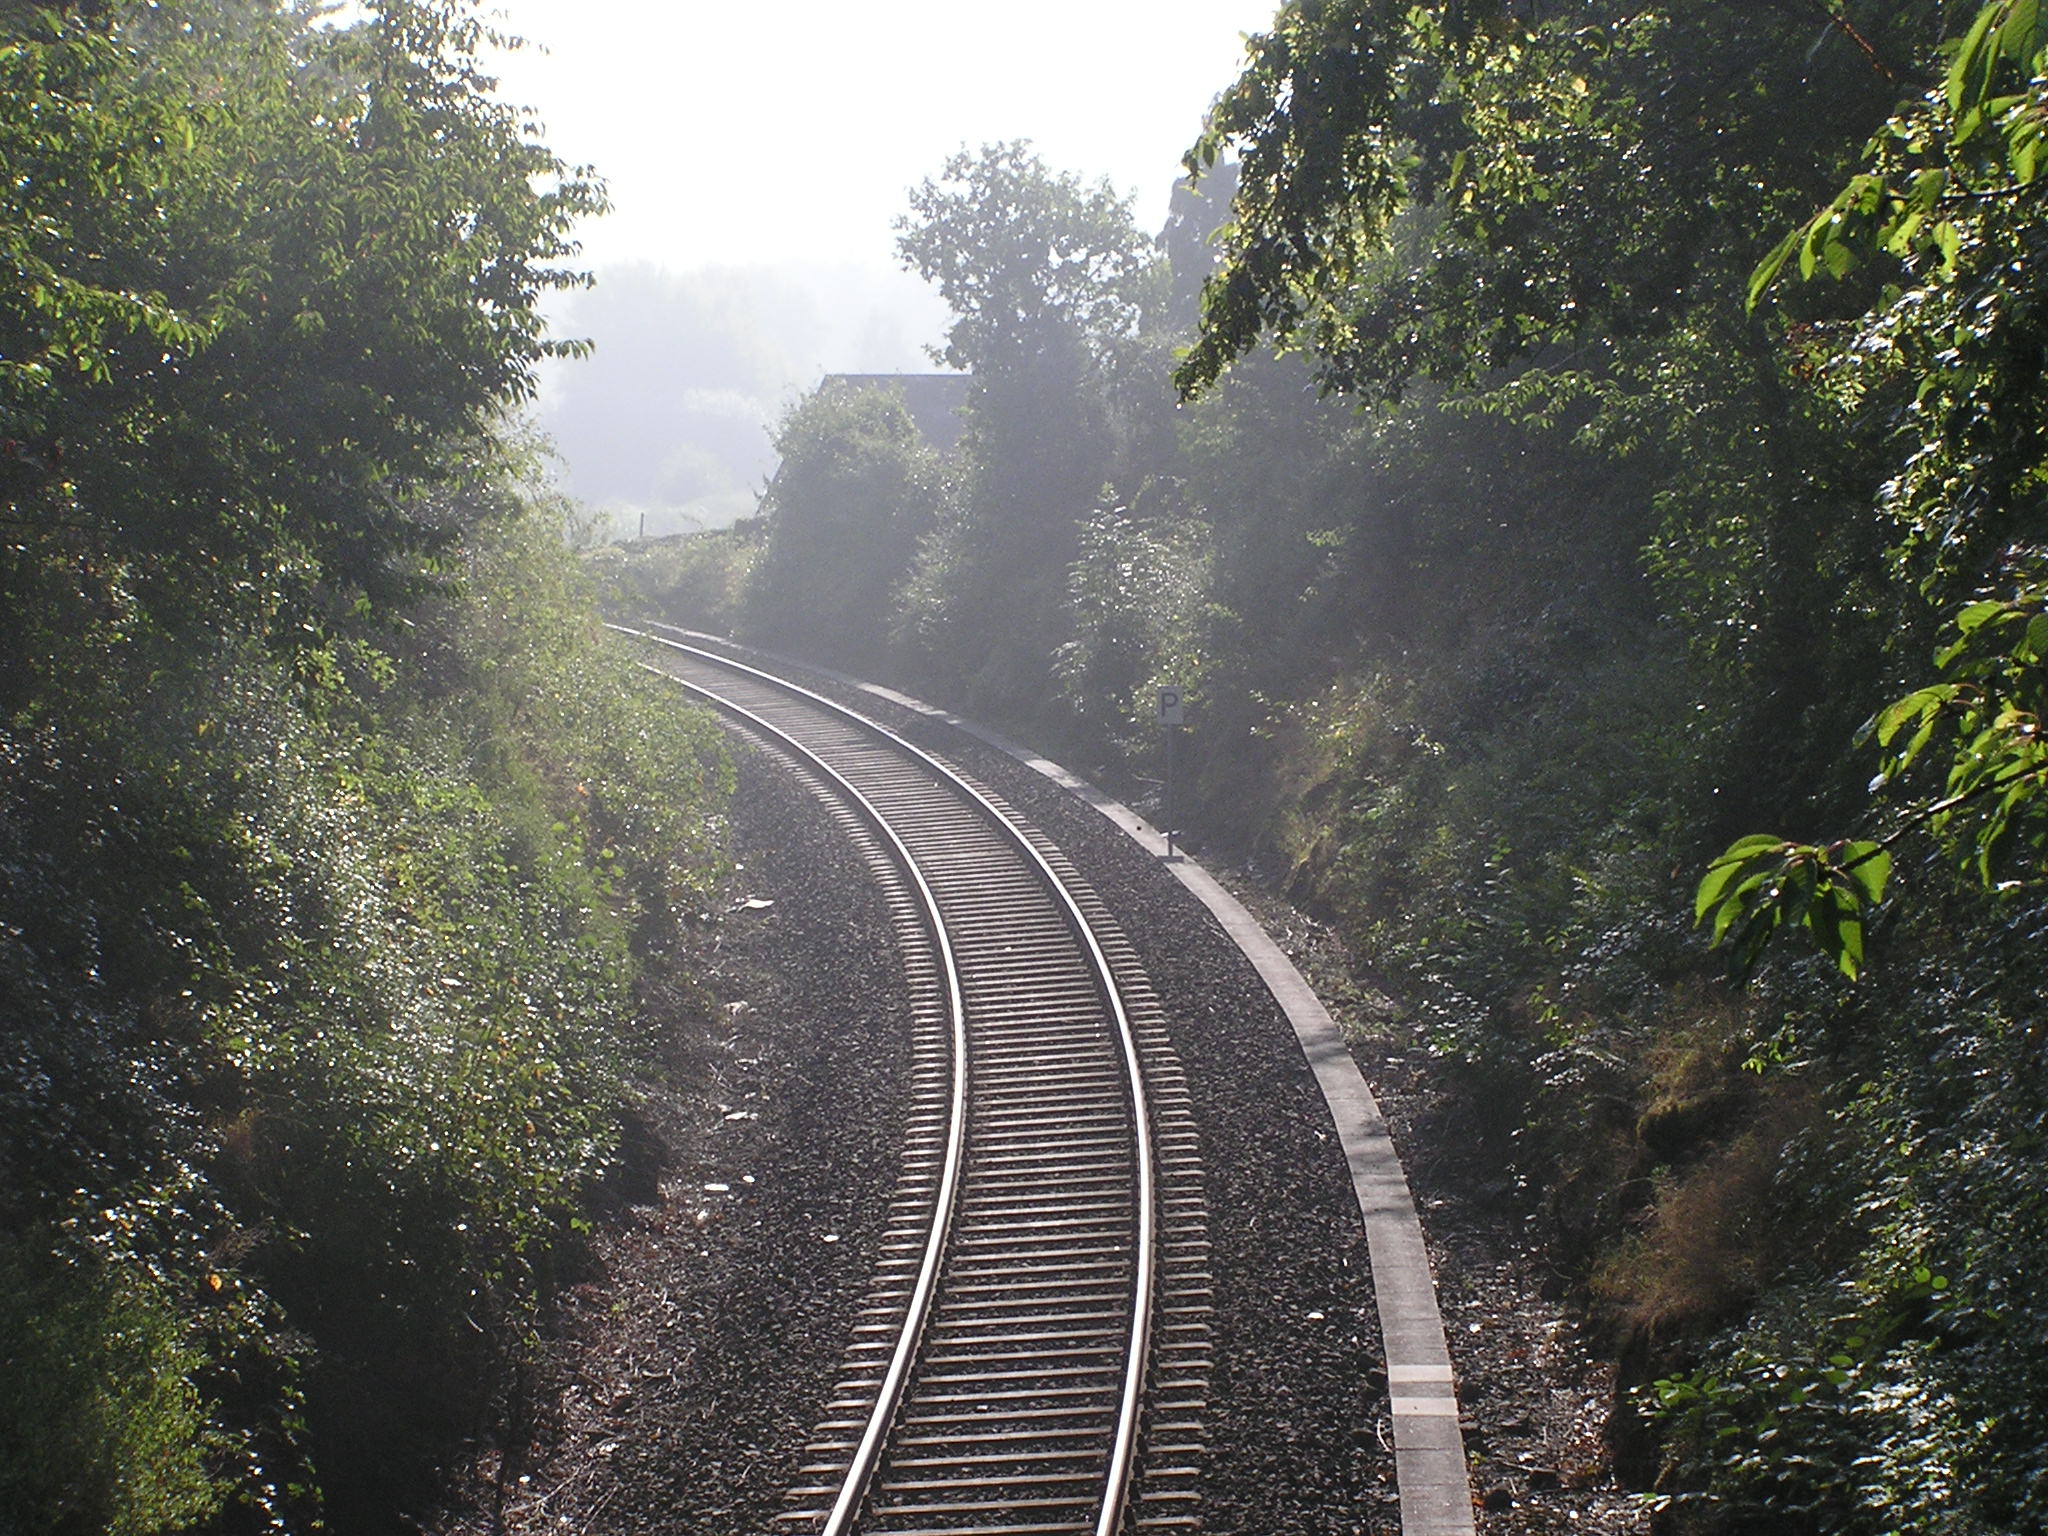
331 838
1604 524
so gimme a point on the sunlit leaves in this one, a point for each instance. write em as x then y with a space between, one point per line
257 266
90 152
1319 175
1990 713
2006 34
1426 194
1947 200
1922 710
1763 883
1931 172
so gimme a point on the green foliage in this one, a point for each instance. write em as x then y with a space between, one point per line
1947 205
333 839
1024 256
1543 217
347 987
1993 706
1997 771
1762 883
856 490
1436 191
1049 282
1898 1389
1916 203
1781 1432
1546 217
231 349
697 580
1139 619
101 1425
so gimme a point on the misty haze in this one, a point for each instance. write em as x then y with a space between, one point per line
668 423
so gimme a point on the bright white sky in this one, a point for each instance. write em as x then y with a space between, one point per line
784 131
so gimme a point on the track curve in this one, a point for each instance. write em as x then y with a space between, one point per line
1033 1358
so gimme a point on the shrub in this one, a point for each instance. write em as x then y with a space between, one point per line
101 1426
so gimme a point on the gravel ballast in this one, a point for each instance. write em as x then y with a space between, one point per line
692 1364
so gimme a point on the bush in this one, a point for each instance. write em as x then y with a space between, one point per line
696 580
102 1428
323 1008
856 490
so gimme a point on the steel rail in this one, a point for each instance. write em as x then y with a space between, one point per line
869 1451
1118 1473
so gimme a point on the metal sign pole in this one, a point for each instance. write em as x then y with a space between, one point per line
1171 732
1172 710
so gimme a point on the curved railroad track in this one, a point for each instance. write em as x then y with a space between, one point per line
1033 1356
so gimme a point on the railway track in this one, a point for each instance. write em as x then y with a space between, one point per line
1033 1356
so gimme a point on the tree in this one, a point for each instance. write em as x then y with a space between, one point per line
326 823
1554 215
1046 279
856 489
1029 260
1947 209
1564 173
232 354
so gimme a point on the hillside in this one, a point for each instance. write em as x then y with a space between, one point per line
341 866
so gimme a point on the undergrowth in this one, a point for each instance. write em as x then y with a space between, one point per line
323 1019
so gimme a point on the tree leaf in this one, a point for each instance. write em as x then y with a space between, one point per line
1869 865
1768 269
1976 615
1917 705
1723 873
1973 58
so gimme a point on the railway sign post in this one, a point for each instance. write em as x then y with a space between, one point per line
1172 712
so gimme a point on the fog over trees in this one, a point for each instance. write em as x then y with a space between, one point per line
672 415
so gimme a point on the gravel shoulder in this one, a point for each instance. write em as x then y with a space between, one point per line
683 1372
1533 1391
